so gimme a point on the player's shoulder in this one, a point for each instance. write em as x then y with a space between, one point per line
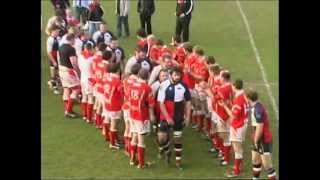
183 84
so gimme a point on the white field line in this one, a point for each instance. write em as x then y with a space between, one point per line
256 52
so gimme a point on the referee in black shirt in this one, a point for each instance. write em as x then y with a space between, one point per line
183 12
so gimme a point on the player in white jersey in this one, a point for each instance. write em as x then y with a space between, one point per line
85 60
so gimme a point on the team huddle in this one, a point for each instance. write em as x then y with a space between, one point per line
160 89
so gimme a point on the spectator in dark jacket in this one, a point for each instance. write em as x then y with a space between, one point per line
146 9
61 4
94 16
183 12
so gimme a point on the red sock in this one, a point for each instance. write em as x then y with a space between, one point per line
133 150
208 125
89 111
219 143
126 141
83 107
141 155
237 164
226 153
98 119
106 132
70 105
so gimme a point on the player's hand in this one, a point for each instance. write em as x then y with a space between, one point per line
55 64
255 147
221 103
182 15
170 121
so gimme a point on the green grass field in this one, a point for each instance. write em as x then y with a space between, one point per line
74 149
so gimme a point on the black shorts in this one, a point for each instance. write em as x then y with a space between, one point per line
264 148
163 126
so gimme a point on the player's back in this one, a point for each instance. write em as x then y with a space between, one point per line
85 63
179 54
113 92
140 93
239 110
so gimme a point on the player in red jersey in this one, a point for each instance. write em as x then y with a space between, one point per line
100 71
223 93
200 73
127 82
52 51
85 61
195 71
179 53
97 60
214 81
142 39
112 103
207 105
141 113
238 124
155 52
261 137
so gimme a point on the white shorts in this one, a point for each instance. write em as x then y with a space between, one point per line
139 126
86 88
69 78
126 117
112 115
222 126
239 134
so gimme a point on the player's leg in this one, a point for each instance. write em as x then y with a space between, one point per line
65 97
89 108
177 137
141 150
84 100
105 123
256 164
267 160
133 148
113 133
163 140
237 138
75 90
200 116
99 112
126 131
143 130
226 148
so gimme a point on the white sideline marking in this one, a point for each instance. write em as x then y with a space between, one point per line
256 52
